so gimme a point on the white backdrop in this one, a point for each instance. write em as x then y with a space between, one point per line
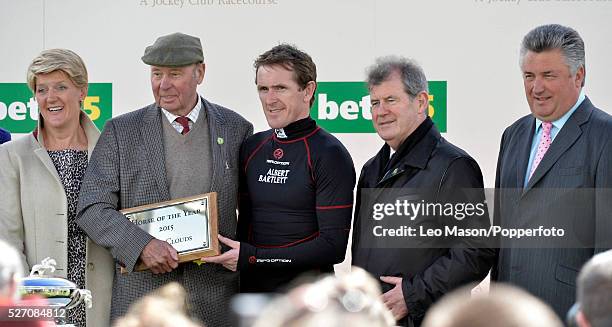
471 44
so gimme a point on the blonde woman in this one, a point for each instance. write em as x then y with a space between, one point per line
40 180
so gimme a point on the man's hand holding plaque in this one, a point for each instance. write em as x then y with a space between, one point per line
228 259
159 256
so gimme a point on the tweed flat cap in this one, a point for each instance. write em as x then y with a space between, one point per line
174 50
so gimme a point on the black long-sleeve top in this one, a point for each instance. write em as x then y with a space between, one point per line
296 200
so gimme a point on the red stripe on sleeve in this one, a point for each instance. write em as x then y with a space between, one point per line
334 207
309 160
288 244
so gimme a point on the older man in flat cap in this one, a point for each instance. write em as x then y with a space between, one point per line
179 146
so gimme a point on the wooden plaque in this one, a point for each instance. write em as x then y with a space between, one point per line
188 224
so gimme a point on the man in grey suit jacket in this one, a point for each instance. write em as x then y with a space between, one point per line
554 170
181 145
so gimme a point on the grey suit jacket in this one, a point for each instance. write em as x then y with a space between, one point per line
570 188
127 169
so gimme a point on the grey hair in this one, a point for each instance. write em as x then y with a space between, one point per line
411 74
594 289
11 269
553 37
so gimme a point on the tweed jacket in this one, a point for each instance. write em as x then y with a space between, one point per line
33 210
127 170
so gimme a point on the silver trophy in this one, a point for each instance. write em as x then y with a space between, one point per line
61 294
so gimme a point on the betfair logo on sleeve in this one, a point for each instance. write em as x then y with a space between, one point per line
19 110
344 107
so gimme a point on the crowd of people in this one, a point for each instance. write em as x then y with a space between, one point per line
285 200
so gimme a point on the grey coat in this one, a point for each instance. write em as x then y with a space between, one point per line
127 169
580 158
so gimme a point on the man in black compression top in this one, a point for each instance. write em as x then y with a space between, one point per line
296 187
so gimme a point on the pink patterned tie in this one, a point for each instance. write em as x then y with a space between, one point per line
545 142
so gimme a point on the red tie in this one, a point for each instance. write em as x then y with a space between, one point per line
184 121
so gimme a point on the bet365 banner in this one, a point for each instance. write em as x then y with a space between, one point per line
344 107
19 110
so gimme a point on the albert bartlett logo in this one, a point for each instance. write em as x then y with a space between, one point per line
278 154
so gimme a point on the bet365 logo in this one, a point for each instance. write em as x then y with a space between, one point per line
344 107
19 110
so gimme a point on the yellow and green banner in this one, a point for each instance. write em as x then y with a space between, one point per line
344 107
